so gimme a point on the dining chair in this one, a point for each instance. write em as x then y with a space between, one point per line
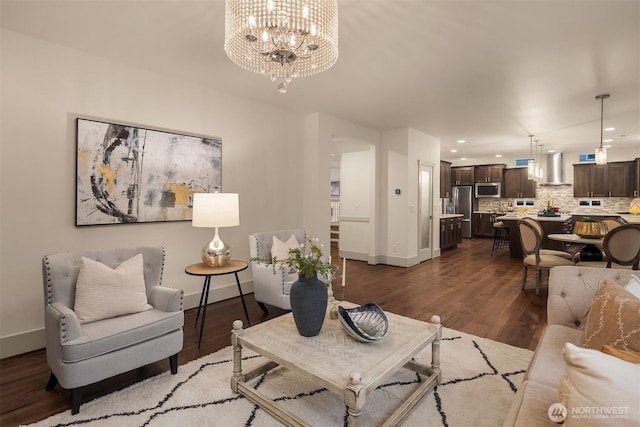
531 241
610 224
621 248
538 226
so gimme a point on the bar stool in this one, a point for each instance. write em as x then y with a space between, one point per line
501 235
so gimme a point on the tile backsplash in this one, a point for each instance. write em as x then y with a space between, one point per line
562 196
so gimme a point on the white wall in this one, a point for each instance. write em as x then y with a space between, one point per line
321 131
426 149
44 86
401 151
356 193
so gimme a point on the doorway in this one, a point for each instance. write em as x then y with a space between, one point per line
425 214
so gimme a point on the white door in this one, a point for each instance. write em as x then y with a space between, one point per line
425 203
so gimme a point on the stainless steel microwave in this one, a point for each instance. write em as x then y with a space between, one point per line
488 190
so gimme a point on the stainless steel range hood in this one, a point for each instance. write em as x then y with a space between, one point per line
555 170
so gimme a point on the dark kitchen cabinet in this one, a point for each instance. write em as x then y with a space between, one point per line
462 175
445 179
483 224
489 173
517 184
611 180
450 232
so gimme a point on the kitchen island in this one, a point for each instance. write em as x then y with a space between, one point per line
550 225
450 230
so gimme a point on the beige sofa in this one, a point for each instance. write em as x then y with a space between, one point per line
571 291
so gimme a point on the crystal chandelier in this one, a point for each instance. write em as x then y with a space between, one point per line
282 39
601 152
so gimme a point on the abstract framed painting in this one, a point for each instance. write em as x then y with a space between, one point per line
132 174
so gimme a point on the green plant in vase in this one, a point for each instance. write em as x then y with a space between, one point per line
308 295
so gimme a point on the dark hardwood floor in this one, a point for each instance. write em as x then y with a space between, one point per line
468 288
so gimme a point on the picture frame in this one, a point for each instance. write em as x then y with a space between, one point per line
135 174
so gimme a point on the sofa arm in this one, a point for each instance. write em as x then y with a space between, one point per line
572 289
166 299
61 323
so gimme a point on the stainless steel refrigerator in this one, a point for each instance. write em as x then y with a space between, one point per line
462 197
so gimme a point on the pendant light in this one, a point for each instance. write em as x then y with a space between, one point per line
531 164
536 165
601 152
540 168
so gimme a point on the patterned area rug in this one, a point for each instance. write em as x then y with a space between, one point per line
480 378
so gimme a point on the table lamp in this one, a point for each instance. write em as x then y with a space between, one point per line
215 210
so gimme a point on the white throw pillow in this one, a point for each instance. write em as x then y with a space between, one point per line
103 292
633 286
599 390
280 249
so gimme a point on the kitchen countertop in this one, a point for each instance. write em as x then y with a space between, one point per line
445 216
560 218
631 218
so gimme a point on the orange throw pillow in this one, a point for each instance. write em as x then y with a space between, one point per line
614 319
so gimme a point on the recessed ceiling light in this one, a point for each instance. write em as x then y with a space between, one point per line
551 151
609 129
461 141
498 155
463 158
454 151
607 140
607 146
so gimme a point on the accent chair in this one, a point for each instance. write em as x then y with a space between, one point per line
272 286
82 350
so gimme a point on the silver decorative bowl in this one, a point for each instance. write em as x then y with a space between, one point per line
366 323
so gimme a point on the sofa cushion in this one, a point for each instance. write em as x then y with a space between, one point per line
614 319
119 332
600 389
531 404
546 366
280 249
103 292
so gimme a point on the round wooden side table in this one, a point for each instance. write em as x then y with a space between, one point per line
202 269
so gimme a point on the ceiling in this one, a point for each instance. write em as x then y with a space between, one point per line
488 72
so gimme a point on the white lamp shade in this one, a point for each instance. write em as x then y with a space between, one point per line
215 210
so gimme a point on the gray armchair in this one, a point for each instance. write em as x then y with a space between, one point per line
271 287
78 353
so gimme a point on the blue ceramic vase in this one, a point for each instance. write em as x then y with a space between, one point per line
308 299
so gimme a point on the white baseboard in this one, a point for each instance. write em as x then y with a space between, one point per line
25 342
400 262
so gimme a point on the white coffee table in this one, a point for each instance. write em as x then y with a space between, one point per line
337 362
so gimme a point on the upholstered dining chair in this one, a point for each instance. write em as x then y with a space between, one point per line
106 312
610 224
531 241
271 286
538 226
621 248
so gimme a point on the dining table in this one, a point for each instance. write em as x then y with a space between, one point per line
589 252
